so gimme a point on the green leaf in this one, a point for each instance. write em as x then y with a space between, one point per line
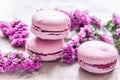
115 37
117 43
108 25
113 29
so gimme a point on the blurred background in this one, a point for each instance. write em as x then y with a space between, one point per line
23 9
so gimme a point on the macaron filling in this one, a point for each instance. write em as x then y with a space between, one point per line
44 54
100 66
46 31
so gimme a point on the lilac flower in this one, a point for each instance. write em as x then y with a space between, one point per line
16 31
69 54
105 38
14 23
36 62
13 60
20 33
3 64
19 61
116 19
30 64
118 32
12 65
70 50
83 17
26 65
74 22
96 23
6 29
85 34
18 42
78 18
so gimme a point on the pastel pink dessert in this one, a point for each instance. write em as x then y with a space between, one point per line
97 56
50 24
48 50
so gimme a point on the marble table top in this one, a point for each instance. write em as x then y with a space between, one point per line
23 9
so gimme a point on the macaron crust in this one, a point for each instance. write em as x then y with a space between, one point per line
48 50
97 57
50 24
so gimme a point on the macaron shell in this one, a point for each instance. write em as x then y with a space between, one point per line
44 46
97 52
48 57
50 35
51 20
95 69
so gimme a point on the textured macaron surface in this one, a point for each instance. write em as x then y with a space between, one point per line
97 52
97 57
44 46
51 20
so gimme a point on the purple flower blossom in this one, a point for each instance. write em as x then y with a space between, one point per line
6 29
36 62
16 31
69 54
26 65
82 17
3 64
20 33
118 32
74 22
70 50
30 64
78 18
18 42
19 61
116 19
96 23
85 34
13 60
105 38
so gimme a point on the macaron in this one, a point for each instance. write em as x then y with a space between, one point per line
97 57
48 50
50 24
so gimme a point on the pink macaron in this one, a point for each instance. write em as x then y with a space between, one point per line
50 24
97 57
48 50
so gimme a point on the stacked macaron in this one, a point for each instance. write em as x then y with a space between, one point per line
50 27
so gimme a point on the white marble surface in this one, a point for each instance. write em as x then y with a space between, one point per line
23 9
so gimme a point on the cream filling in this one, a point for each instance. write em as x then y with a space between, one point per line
100 66
44 54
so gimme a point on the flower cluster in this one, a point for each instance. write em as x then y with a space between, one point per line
70 50
95 22
16 31
116 22
78 18
6 28
116 19
19 61
105 38
118 32
82 18
113 26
